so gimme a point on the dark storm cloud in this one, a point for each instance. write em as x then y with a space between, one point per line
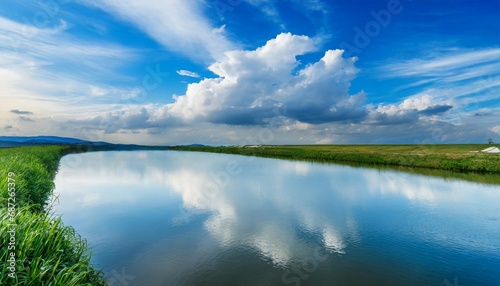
21 112
438 109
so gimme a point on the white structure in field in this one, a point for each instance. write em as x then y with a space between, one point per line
491 150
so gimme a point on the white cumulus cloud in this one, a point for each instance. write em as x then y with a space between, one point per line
496 129
253 84
410 110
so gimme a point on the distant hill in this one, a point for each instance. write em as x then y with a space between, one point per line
12 141
15 141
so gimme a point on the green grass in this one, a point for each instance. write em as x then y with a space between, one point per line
47 252
33 177
453 161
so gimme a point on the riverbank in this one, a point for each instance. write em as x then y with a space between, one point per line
37 249
456 158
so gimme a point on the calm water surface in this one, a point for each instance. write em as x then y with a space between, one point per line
181 218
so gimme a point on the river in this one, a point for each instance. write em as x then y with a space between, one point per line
186 218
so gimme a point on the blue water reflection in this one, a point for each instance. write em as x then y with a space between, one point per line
181 218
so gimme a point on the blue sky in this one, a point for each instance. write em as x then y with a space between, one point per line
251 71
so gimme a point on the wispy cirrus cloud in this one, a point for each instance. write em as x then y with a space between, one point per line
438 64
268 8
467 76
271 8
179 25
188 73
52 73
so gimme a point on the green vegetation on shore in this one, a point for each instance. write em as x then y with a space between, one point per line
443 160
45 251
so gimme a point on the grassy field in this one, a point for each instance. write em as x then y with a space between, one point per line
46 252
441 160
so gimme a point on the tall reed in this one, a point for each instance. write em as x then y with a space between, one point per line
46 252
